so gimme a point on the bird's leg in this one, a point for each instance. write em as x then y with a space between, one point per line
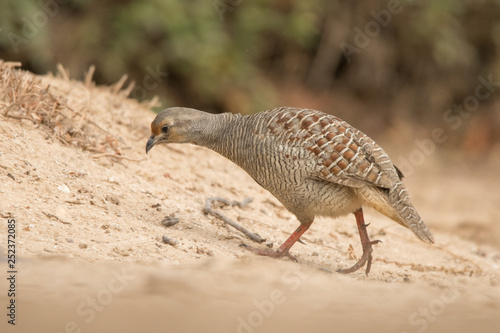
366 258
285 247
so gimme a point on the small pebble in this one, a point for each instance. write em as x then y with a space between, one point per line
61 213
63 188
270 244
170 221
11 176
169 241
113 180
69 240
113 199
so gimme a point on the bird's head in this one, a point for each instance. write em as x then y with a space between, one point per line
175 125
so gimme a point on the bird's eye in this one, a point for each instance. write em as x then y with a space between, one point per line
165 128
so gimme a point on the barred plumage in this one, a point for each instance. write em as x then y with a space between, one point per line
314 163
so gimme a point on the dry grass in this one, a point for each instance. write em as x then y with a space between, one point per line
23 96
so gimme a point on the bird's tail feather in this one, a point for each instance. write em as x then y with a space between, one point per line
400 200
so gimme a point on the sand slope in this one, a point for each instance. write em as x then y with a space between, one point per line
90 256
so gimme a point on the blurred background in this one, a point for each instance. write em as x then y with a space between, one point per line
409 68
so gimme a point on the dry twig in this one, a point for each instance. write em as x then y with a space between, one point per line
88 76
117 156
208 210
55 217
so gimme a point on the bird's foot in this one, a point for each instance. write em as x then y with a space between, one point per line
279 253
366 258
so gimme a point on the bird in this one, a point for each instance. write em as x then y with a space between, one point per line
314 163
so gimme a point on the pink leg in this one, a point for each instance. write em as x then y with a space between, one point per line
285 247
366 258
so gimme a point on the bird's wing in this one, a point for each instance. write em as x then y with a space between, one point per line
344 154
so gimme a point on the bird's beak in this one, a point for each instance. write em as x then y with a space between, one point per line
151 143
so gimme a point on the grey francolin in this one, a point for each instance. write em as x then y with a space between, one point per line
315 164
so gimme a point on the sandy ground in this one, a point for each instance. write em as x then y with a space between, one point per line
90 255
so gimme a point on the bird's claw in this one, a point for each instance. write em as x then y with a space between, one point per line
269 253
366 258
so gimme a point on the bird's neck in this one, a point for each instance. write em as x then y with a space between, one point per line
218 132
